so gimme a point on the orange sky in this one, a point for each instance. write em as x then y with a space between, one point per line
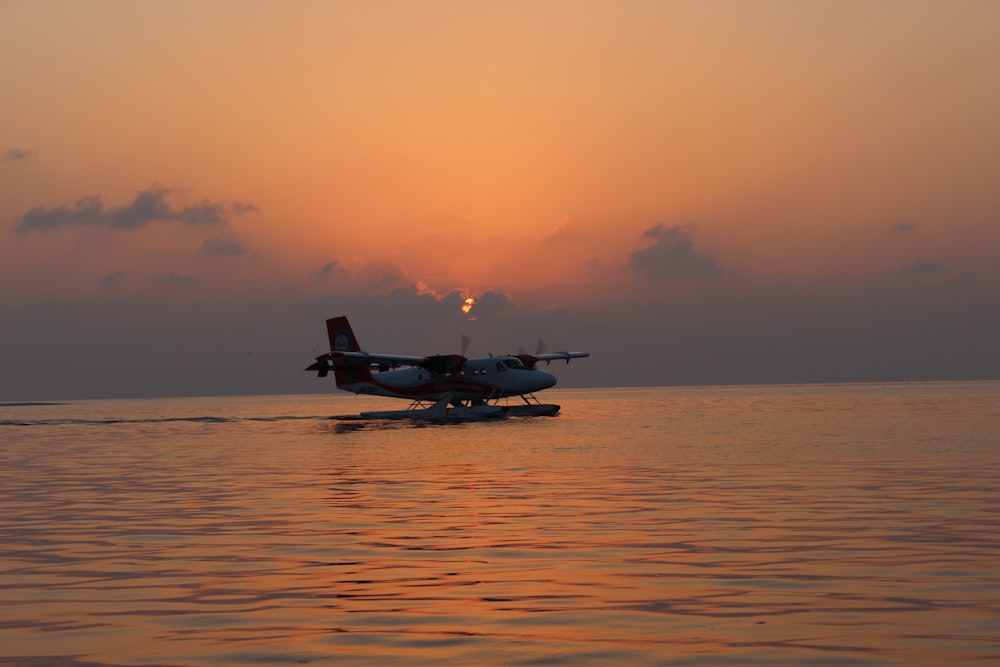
536 149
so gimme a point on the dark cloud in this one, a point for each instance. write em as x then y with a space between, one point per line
415 320
148 206
672 256
111 279
200 344
490 304
925 267
902 227
17 155
218 247
178 279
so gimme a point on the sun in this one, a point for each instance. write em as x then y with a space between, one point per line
467 306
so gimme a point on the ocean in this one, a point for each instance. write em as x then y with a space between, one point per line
848 524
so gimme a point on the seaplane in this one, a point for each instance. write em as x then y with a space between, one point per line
440 387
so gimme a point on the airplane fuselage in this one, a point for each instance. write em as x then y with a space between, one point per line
460 388
489 378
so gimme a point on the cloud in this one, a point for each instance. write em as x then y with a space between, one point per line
788 336
925 267
17 155
218 247
564 230
672 256
111 279
178 279
902 228
366 277
152 204
242 208
490 304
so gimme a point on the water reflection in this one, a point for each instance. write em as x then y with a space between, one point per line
709 527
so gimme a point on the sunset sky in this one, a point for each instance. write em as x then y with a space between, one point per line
695 192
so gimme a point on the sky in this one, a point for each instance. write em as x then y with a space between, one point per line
718 192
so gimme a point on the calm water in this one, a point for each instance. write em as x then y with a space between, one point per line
823 525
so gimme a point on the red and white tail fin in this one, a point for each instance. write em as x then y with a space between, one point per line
342 338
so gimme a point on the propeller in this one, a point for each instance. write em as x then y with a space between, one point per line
539 348
530 360
465 344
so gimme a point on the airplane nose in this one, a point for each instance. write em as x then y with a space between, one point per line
545 380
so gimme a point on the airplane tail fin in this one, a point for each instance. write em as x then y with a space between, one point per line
342 339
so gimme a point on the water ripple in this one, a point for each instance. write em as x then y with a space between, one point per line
172 539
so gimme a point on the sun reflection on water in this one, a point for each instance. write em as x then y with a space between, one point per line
766 525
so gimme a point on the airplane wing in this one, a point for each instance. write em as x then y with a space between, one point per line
377 359
346 353
339 359
555 356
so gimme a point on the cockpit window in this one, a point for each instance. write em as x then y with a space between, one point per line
513 363
500 367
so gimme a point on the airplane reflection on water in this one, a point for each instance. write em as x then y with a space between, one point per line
443 387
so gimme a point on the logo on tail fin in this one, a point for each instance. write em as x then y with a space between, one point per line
341 342
342 339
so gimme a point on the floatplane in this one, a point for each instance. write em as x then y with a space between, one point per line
440 387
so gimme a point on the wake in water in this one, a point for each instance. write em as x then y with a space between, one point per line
154 420
66 417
